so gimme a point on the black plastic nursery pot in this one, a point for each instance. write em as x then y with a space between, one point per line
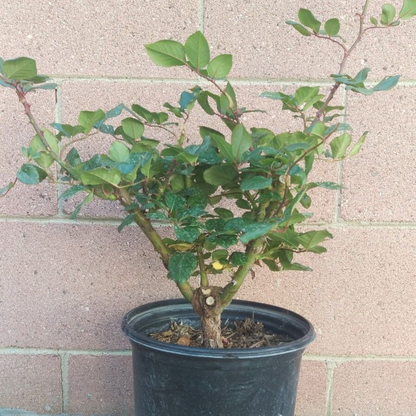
175 380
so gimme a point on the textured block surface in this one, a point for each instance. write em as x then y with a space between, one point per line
31 383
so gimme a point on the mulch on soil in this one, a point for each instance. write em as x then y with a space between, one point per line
239 334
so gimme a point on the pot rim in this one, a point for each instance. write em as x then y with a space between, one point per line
148 310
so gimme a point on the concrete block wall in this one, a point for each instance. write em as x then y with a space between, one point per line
65 285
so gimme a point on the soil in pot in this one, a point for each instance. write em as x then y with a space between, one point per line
238 334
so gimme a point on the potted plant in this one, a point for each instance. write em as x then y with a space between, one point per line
233 202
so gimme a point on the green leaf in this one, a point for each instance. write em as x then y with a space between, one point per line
6 188
101 176
2 67
20 68
132 127
224 213
387 14
197 50
174 201
240 142
220 66
238 259
357 147
339 145
187 234
31 174
88 119
72 191
255 182
86 201
181 266
253 231
300 28
43 158
67 130
73 157
305 94
166 53
329 185
387 83
332 27
308 19
374 21
119 152
143 112
222 240
223 146
126 221
220 175
408 10
312 238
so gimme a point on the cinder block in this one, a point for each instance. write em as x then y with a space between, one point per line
17 132
311 399
379 181
375 388
68 286
94 39
359 296
101 385
31 382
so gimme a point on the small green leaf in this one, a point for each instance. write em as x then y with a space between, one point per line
181 266
305 94
31 174
86 201
222 240
240 142
339 145
387 14
166 53
357 147
332 27
238 259
220 66
73 157
119 152
20 68
174 201
408 10
312 238
72 191
187 234
132 127
255 182
101 176
224 213
6 188
126 221
300 28
374 21
253 231
308 19
197 50
88 119
43 158
387 83
220 175
143 112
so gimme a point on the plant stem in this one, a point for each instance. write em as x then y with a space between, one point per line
347 53
202 269
156 240
230 290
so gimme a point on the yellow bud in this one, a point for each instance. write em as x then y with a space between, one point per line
217 265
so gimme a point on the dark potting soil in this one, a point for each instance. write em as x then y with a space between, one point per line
239 334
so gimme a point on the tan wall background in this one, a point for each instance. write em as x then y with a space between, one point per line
65 285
